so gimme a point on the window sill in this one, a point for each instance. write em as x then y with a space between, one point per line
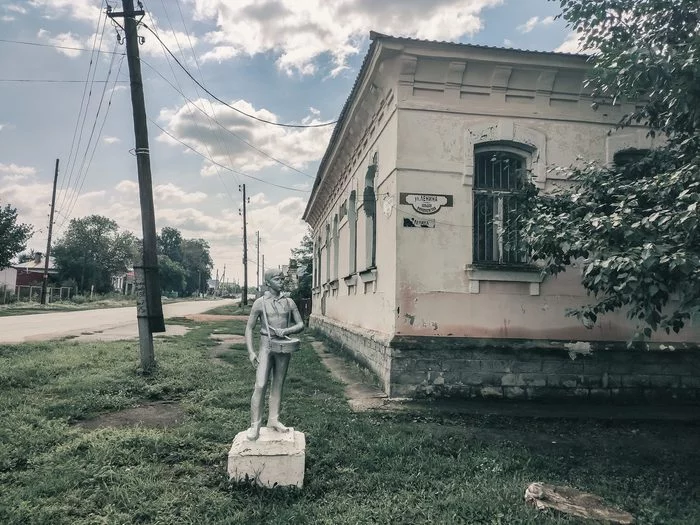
368 275
350 280
504 273
333 284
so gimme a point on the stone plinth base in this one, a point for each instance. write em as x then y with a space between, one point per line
275 459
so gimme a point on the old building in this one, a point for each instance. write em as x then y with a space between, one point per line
419 270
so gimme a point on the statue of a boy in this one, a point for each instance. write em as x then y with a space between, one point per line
279 317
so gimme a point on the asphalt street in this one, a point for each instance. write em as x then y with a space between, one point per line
111 322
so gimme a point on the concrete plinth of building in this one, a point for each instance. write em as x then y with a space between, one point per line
275 459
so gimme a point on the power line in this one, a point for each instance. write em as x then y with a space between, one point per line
99 134
265 154
55 46
187 102
70 167
222 165
51 80
323 124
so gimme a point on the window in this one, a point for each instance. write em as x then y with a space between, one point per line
317 263
352 223
369 200
328 252
498 178
629 156
336 247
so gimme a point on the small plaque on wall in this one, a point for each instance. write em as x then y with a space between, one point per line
426 203
413 222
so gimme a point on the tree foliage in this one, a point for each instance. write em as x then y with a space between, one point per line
185 264
634 225
92 250
13 235
303 258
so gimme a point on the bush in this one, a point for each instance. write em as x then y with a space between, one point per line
79 299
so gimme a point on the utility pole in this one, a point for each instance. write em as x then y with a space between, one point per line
244 299
148 306
263 266
257 255
45 280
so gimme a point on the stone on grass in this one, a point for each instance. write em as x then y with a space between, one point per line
275 459
572 501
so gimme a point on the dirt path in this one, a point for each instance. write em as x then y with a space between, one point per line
361 395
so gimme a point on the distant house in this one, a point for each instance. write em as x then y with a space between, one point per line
31 273
420 270
124 282
8 279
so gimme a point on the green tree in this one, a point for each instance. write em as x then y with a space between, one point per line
173 276
197 263
302 257
93 250
170 243
634 225
13 235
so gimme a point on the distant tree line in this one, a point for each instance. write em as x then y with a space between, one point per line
93 250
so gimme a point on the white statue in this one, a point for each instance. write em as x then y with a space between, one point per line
279 317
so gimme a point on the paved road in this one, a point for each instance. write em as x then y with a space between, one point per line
40 327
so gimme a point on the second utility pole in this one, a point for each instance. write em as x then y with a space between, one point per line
244 299
149 309
45 280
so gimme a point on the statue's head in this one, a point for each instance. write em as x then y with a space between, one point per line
274 278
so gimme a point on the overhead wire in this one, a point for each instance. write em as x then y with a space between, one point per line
222 126
227 168
54 46
49 80
188 102
99 134
75 147
320 125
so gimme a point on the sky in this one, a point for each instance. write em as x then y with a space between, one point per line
284 61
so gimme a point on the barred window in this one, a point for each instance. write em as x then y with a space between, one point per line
498 178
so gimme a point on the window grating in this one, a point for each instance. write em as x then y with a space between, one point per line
498 180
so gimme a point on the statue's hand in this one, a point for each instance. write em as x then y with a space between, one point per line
278 332
253 359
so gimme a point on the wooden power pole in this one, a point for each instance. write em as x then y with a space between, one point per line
244 299
45 280
148 306
257 264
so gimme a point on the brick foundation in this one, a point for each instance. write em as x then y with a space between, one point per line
514 369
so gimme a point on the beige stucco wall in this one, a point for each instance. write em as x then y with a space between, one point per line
435 296
368 305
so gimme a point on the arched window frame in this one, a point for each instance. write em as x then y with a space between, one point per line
352 223
369 200
496 239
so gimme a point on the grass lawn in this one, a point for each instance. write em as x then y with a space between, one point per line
360 467
232 309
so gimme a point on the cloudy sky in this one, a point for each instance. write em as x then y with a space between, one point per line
285 61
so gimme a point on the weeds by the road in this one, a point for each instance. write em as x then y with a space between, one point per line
360 467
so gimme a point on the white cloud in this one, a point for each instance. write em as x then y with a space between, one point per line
62 39
529 25
112 140
300 31
296 147
534 22
14 169
6 18
219 54
84 10
572 45
170 192
507 42
16 9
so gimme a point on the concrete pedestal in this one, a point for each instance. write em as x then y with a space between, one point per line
275 459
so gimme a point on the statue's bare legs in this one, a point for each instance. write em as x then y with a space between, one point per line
277 365
279 371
